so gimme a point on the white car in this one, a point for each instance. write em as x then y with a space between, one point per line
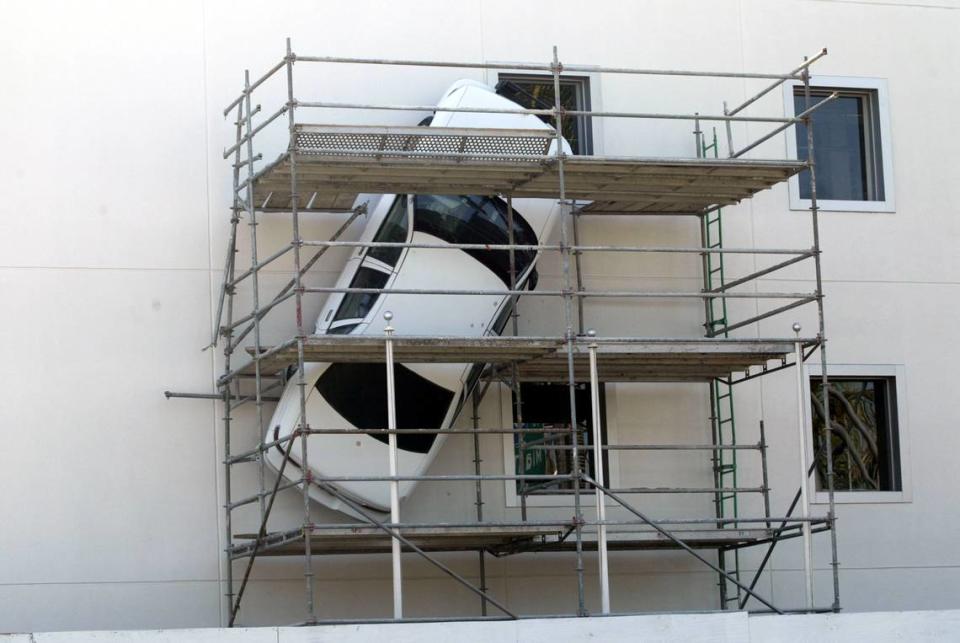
353 395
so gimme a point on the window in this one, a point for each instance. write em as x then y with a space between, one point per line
546 448
865 434
536 92
356 305
846 146
851 145
392 230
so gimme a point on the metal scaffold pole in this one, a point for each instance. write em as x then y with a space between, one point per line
298 291
514 382
255 286
599 473
827 441
228 292
475 397
802 457
394 483
565 211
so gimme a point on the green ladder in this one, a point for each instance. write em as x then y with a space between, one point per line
723 422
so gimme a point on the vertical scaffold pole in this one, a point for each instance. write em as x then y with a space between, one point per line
578 269
475 403
598 473
394 483
228 293
514 381
301 338
568 333
255 285
729 124
827 442
804 500
764 472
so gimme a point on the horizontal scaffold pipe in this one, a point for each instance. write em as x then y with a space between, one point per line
549 112
566 293
214 396
655 490
260 312
245 456
287 290
559 477
801 116
226 377
797 70
265 494
246 137
556 248
262 263
561 523
645 447
564 68
280 65
765 271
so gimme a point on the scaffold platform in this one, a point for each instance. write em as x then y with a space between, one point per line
324 168
495 540
544 359
333 164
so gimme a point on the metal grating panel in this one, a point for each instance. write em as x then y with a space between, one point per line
506 146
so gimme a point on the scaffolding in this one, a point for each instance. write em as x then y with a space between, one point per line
323 169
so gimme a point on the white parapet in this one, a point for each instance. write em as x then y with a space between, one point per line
717 627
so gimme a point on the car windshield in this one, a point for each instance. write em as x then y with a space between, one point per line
481 220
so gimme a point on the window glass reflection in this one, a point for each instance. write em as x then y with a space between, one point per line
356 305
480 220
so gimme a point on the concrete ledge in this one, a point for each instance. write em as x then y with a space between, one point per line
734 627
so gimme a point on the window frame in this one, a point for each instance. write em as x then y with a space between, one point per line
612 471
593 127
878 88
897 374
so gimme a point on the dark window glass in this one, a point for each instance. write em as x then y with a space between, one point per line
342 330
392 230
477 219
358 392
846 147
547 450
536 92
356 305
863 434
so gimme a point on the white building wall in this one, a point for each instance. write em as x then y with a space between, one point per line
114 223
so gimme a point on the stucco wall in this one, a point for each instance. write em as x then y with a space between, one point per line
114 225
